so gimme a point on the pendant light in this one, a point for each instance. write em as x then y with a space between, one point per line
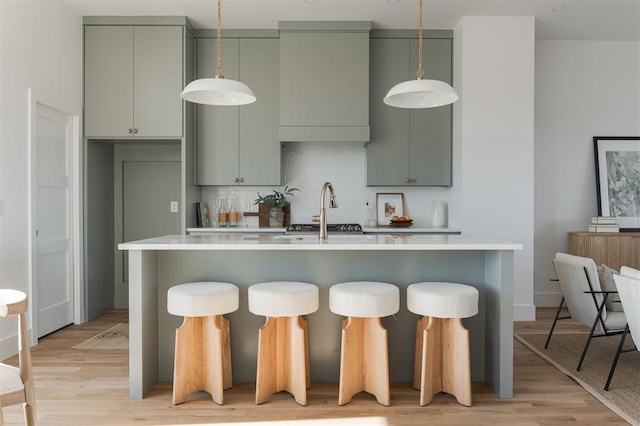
218 90
420 93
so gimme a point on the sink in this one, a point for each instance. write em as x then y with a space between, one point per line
333 238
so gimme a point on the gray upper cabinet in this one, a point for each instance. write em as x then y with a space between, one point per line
239 145
133 79
324 81
409 147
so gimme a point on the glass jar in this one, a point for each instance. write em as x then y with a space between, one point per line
223 213
234 215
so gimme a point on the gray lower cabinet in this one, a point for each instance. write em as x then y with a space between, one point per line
133 79
408 147
239 145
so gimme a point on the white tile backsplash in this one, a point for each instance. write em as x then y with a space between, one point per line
308 165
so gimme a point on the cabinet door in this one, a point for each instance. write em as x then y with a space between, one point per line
108 80
217 125
158 66
388 150
260 149
430 128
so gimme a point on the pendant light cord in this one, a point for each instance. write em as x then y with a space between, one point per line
219 44
420 73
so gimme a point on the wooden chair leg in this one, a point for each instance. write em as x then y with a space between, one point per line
282 359
364 360
202 358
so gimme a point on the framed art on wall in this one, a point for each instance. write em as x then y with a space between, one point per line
389 205
618 179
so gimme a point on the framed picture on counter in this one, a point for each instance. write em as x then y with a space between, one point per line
388 205
617 176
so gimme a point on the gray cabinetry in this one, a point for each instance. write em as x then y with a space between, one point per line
408 147
239 145
133 79
324 81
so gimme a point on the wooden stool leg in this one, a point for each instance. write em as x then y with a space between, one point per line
431 371
364 360
282 359
376 360
456 364
187 377
417 360
351 357
202 358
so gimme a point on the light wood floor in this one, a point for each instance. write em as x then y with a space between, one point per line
90 388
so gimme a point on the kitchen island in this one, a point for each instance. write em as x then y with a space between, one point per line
156 264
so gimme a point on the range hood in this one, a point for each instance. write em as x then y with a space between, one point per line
324 81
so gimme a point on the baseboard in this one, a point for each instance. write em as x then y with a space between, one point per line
524 312
547 300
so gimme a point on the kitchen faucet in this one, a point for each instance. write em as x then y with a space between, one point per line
322 218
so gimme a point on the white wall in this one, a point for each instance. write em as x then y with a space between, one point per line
41 46
494 72
583 89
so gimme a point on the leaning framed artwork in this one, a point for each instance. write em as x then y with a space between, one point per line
388 205
618 179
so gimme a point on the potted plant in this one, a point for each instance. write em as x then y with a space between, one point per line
276 201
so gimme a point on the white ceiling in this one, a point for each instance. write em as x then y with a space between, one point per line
579 19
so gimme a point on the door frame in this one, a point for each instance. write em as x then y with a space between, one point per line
75 162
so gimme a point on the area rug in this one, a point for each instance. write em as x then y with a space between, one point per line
117 337
564 351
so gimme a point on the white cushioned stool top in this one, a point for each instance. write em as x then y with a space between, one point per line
442 300
202 299
283 299
364 299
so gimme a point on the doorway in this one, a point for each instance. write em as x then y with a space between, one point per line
54 222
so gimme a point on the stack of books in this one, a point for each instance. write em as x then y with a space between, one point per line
604 224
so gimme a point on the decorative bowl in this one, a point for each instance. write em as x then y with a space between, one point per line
401 223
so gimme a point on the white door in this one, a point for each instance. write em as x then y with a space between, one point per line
53 272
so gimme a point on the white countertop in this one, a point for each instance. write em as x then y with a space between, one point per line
236 241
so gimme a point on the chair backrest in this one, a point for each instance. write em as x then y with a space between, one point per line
576 275
628 283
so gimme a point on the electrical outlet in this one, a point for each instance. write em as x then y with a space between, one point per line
174 207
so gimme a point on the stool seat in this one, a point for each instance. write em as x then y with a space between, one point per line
283 299
364 299
202 359
201 299
442 300
283 341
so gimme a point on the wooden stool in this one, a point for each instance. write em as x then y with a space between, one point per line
442 362
203 349
364 357
283 341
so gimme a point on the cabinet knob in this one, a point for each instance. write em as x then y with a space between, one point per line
135 131
237 180
241 179
130 131
408 180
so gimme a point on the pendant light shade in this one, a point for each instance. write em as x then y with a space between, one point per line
218 90
420 93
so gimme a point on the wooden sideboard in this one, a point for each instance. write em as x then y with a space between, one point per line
611 248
